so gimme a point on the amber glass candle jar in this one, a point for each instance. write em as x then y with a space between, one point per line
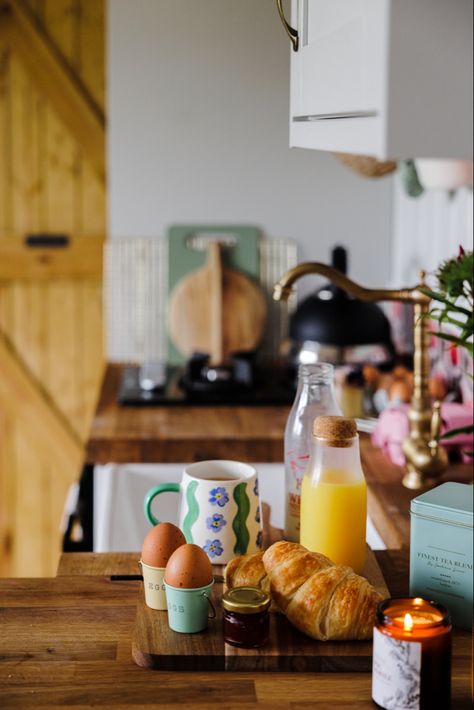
245 620
412 655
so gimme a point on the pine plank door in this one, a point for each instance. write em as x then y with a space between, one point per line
52 182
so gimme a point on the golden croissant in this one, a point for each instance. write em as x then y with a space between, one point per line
248 570
323 600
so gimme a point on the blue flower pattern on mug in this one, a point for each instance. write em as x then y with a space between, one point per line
258 541
219 497
257 514
213 548
216 522
255 488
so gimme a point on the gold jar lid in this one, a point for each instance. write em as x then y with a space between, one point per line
335 431
246 600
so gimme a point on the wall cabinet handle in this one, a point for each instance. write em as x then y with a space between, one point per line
331 116
291 32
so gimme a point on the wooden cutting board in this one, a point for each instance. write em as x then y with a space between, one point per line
242 256
216 310
155 646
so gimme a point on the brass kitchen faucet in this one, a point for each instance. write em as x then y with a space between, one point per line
425 456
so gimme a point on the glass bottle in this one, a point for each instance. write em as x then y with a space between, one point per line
334 494
314 397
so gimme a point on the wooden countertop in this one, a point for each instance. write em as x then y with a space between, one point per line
181 433
388 500
66 642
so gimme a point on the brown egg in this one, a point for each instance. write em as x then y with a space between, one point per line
160 543
188 567
371 375
400 391
400 372
437 387
409 379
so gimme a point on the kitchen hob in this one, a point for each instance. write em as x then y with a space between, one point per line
269 385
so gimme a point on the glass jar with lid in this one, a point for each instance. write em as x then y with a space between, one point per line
245 620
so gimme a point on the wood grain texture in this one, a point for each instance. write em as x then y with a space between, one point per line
44 61
35 410
388 501
216 310
183 434
98 563
50 308
73 636
216 287
155 646
80 259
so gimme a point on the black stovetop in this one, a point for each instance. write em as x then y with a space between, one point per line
272 386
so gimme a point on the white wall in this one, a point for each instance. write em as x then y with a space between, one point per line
198 132
427 230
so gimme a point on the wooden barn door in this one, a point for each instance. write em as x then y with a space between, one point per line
52 227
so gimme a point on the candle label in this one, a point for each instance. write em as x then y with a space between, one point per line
396 673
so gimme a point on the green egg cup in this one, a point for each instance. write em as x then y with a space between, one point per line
188 609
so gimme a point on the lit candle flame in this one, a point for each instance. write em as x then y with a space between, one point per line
408 622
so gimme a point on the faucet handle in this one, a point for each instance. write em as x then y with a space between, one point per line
436 421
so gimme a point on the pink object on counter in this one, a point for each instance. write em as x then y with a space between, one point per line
392 428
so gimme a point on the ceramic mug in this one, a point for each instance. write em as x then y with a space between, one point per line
219 509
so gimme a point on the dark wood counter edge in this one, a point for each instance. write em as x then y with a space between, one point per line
66 642
142 450
393 563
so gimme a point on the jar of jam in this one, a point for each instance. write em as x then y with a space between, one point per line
245 620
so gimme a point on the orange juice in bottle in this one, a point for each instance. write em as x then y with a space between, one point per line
334 494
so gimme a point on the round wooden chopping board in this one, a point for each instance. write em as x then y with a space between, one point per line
216 310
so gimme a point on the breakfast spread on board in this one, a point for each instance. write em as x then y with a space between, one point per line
313 586
324 587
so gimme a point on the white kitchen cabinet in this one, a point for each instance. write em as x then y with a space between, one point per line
389 78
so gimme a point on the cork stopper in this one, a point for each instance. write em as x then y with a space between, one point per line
335 431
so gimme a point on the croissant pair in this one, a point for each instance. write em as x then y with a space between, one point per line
323 600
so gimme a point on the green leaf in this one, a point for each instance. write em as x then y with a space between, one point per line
409 178
469 429
456 340
435 296
455 273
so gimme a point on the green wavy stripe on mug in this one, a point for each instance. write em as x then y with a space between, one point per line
193 511
239 523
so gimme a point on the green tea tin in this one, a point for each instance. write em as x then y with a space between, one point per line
441 549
